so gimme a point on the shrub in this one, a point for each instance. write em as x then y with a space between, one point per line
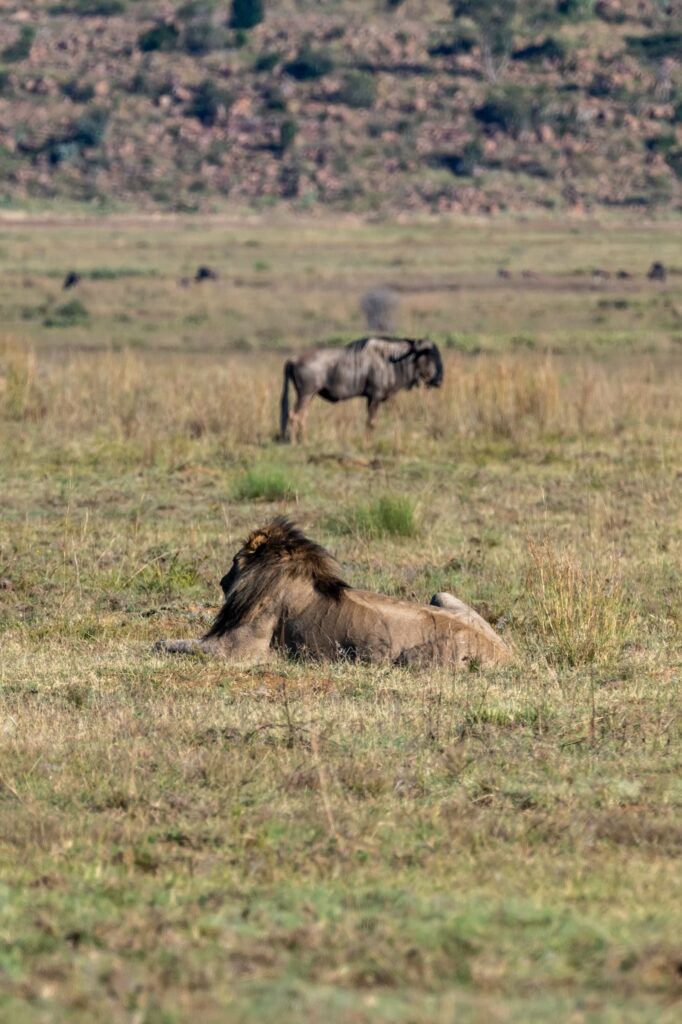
246 13
358 89
386 517
78 91
274 98
550 48
20 49
201 37
380 306
69 314
194 9
266 61
4 81
309 63
575 10
511 108
657 45
206 102
90 129
462 40
288 130
90 8
464 163
162 36
263 483
579 616
673 159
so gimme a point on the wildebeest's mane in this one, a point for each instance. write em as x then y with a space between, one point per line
278 550
361 343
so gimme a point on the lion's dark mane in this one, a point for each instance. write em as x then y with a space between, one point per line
278 550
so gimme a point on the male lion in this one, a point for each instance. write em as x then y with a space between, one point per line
284 593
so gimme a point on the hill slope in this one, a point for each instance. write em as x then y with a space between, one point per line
374 106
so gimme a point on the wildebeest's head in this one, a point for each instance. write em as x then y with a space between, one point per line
428 363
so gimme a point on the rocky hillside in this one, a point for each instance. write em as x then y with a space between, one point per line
369 106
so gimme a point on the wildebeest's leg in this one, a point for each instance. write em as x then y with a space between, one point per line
372 410
299 415
284 401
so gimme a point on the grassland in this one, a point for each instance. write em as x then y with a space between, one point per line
182 840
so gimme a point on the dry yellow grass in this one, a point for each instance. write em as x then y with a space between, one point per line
182 841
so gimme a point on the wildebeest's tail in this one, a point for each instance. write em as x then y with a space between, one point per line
284 401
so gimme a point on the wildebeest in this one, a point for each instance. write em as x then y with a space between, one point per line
71 279
657 272
285 593
373 368
205 274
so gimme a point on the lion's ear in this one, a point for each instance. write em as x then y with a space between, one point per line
256 541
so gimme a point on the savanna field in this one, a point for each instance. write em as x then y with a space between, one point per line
182 840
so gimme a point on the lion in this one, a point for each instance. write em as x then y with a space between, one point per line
284 594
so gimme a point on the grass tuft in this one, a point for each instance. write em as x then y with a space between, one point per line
264 483
387 517
579 616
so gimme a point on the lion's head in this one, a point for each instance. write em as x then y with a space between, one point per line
276 554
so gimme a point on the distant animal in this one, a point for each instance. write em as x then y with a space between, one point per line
504 273
205 274
657 272
600 275
374 368
71 279
284 594
623 275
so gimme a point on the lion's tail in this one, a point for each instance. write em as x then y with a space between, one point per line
284 401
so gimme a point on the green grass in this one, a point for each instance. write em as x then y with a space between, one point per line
302 842
264 483
388 516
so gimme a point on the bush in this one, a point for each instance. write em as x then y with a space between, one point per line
358 89
309 63
266 61
78 91
70 314
87 132
464 163
673 158
201 37
195 9
462 40
246 13
550 48
511 108
163 37
20 49
263 483
657 45
90 129
90 8
288 130
206 102
575 10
